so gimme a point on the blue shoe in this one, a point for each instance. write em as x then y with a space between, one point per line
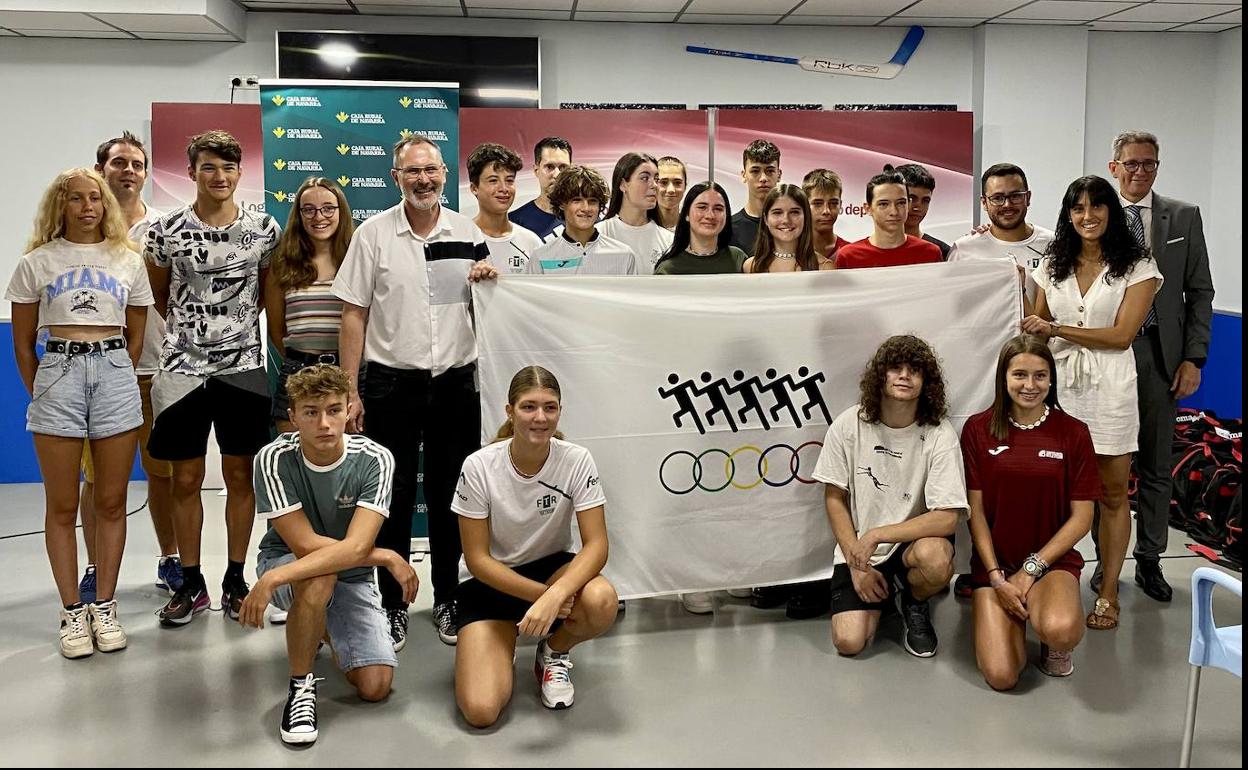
86 587
169 574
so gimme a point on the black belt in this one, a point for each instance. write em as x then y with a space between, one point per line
312 358
78 347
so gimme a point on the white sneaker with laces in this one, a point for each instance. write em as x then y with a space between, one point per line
105 628
699 603
75 633
552 670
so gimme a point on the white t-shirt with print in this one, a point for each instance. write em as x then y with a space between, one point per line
80 284
511 252
891 474
154 332
649 241
529 518
1026 253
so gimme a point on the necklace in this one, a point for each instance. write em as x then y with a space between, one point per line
1035 424
689 249
511 458
784 254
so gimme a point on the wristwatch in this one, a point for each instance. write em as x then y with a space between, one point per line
1054 327
1035 566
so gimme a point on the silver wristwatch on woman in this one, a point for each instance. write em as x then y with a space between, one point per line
1035 566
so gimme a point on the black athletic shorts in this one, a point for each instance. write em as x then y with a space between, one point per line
846 599
240 417
475 600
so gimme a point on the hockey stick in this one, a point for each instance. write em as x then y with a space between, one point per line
885 71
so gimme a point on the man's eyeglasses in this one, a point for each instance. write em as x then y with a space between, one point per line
1017 198
326 211
1148 166
414 172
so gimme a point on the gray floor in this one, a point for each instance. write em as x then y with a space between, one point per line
742 688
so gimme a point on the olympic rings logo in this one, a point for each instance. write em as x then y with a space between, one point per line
700 472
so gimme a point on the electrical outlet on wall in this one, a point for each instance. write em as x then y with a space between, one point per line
245 82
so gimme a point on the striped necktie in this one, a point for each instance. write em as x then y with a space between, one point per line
1135 223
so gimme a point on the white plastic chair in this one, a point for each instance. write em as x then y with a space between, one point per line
1211 646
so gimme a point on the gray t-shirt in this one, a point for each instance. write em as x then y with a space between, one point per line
213 326
328 495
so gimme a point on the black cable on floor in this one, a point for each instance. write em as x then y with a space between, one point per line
77 526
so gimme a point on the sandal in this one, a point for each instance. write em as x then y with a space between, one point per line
1104 614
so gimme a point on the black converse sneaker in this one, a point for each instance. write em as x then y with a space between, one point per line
444 621
398 628
919 637
299 716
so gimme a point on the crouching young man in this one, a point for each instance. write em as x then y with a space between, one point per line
325 495
895 492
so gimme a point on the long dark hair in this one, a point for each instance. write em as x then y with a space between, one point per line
684 233
625 167
292 261
764 244
1028 344
918 355
1119 250
523 381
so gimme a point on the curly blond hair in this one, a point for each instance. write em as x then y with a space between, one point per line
50 217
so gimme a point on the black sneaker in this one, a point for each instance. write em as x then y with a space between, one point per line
233 591
962 587
398 628
187 602
444 621
810 600
299 716
770 597
918 635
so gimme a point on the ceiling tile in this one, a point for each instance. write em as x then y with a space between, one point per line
1227 3
403 10
1132 26
1037 22
532 5
519 13
224 37
946 9
634 6
1204 27
1075 10
1171 12
730 7
7 32
833 21
307 6
638 16
159 22
923 21
48 20
421 3
877 8
93 33
728 18
1236 16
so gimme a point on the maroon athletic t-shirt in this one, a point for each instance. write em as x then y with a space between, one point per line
1028 482
915 251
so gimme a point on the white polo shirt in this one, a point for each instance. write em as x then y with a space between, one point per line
1026 253
601 256
415 289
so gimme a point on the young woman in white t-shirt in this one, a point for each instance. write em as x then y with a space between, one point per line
82 281
633 211
516 499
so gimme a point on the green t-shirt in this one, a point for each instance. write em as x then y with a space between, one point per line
727 260
328 495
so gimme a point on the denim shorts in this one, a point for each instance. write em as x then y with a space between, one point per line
86 395
356 623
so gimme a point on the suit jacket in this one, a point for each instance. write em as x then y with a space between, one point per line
1185 303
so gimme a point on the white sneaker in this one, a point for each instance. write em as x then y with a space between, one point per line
699 603
277 617
105 628
741 593
552 670
75 634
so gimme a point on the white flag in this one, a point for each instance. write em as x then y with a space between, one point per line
705 399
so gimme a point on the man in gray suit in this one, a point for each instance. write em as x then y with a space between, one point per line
1172 344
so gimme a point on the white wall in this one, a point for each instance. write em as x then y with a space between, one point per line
1180 87
64 96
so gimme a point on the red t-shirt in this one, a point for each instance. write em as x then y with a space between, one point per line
915 251
1028 482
